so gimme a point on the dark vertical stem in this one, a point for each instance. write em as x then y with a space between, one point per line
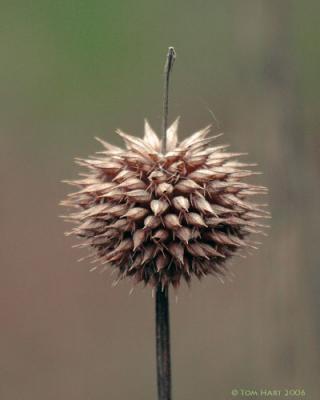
162 294
163 343
171 56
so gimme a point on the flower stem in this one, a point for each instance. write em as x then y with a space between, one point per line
163 343
171 56
162 293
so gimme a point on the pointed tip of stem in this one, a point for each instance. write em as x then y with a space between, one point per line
171 56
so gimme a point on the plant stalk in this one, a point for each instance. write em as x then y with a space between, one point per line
162 293
163 343
171 56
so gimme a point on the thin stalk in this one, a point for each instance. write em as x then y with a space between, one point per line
163 343
171 56
162 294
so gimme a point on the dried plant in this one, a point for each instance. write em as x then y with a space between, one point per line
162 210
162 217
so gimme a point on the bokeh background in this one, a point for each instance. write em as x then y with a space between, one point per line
71 70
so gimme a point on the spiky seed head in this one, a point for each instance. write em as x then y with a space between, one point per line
162 217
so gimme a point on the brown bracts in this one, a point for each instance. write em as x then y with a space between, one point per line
161 217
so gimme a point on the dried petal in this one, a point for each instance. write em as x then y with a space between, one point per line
172 136
151 137
198 135
108 146
135 143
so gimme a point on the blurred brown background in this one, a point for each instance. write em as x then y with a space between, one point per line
72 70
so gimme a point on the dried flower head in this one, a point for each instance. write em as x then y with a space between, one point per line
160 217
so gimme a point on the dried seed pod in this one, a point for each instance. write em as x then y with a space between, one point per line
162 261
196 250
195 219
201 175
139 196
123 225
187 186
123 175
178 168
113 195
160 235
149 251
132 183
158 206
151 222
181 203
210 251
124 246
164 189
203 206
184 234
171 221
138 238
177 251
157 176
136 213
161 217
117 210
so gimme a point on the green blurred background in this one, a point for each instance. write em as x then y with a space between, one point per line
72 70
